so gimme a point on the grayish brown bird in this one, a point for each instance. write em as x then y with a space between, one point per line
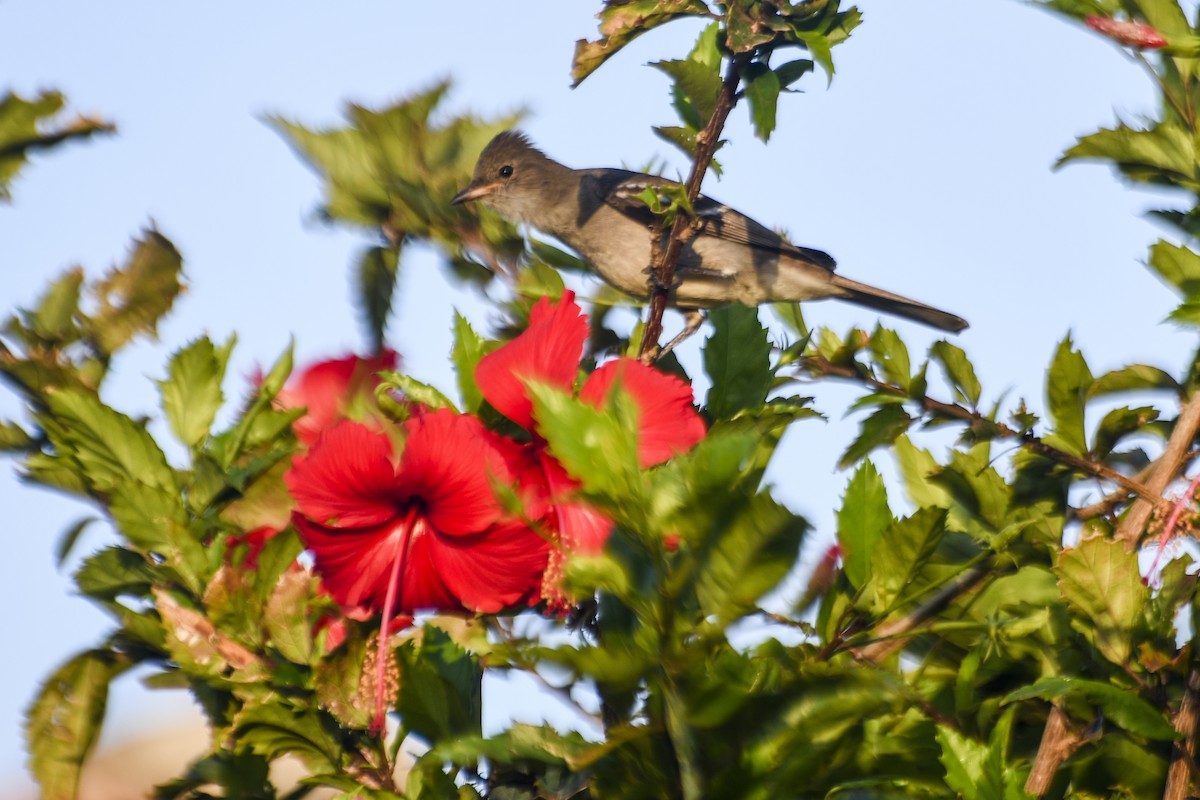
732 259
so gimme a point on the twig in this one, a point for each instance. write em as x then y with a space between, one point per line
890 636
1058 743
681 230
1170 463
1107 504
983 425
1183 769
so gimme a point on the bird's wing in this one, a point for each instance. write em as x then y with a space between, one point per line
620 189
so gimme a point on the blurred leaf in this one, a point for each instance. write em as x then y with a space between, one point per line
55 319
1067 384
903 549
440 688
762 92
286 617
1178 267
20 121
377 271
1161 155
68 540
62 722
469 348
959 371
737 357
621 21
191 394
116 571
413 390
1118 423
861 521
1122 706
892 355
1135 377
272 730
135 297
1101 581
110 447
879 429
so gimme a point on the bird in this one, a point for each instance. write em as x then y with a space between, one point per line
731 259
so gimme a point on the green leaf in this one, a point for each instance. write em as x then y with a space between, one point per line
1162 155
1067 384
1121 706
377 271
737 357
191 394
64 719
892 355
1177 266
1133 378
793 71
963 759
621 22
1101 581
440 688
762 92
274 730
916 467
55 317
414 391
959 371
1118 423
110 447
863 517
597 447
116 571
68 540
748 554
469 349
879 429
903 549
286 617
133 298
696 83
20 134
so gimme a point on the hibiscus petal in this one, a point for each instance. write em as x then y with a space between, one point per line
493 570
548 351
326 387
667 422
581 528
449 463
347 479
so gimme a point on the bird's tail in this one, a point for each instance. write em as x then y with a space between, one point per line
882 300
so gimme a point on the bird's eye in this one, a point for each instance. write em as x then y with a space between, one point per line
506 171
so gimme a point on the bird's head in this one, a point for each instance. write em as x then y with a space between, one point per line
509 176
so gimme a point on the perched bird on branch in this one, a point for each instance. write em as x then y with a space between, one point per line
730 259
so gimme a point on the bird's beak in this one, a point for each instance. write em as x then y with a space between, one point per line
474 191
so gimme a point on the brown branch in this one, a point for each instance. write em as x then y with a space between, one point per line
663 264
890 637
1170 464
1107 504
1059 742
1183 769
984 426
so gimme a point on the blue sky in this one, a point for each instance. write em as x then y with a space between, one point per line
925 169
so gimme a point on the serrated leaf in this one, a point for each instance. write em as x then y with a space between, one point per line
903 550
191 394
1133 378
959 371
64 719
413 390
621 21
20 121
1122 706
135 297
274 730
1178 267
469 348
55 317
440 689
1067 383
110 447
1100 580
892 356
116 571
737 358
1118 423
762 93
1163 154
861 521
377 272
881 428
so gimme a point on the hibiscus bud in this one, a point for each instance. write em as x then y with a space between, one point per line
671 541
1127 32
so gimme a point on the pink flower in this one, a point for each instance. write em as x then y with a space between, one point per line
1127 32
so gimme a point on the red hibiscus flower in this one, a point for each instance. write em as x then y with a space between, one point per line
424 531
549 351
330 390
